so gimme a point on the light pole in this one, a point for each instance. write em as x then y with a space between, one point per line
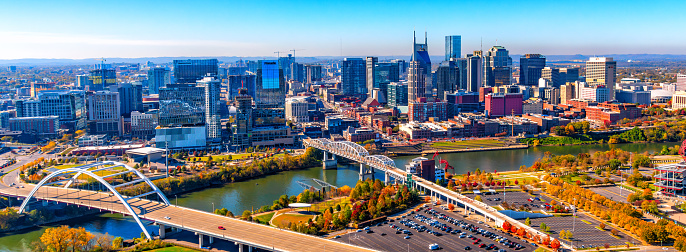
213 207
177 200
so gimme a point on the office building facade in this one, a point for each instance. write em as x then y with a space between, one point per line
453 47
212 96
270 86
353 76
158 77
602 71
104 113
181 105
189 71
40 125
530 69
397 94
130 97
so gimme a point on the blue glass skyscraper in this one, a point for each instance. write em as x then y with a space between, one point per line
453 47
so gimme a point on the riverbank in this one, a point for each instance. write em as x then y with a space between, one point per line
53 221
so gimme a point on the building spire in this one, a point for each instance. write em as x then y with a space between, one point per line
425 40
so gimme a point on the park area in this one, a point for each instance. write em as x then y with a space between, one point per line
468 144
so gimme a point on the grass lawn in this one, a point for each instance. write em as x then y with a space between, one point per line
174 249
283 220
471 144
265 217
330 203
99 173
225 157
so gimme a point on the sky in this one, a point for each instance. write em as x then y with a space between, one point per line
133 29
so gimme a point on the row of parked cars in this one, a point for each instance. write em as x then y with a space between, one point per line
468 227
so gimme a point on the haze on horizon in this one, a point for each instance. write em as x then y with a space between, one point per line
134 29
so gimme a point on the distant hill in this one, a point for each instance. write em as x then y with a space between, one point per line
231 59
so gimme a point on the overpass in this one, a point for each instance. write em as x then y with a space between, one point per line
357 153
162 213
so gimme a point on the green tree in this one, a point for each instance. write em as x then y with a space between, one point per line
247 215
527 221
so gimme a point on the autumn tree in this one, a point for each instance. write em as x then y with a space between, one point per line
555 244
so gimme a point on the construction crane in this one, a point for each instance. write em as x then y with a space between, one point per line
294 50
278 54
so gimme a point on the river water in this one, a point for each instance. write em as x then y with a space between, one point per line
246 195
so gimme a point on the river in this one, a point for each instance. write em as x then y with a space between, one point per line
246 195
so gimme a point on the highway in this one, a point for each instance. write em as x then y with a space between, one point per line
235 230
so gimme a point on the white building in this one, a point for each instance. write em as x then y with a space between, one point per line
679 100
681 82
92 140
104 113
597 93
413 166
602 71
532 106
296 109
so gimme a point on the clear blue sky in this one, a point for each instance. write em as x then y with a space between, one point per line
122 28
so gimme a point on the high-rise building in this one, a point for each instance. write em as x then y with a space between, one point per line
497 67
237 82
420 54
270 86
681 82
447 77
461 64
286 64
371 63
453 47
296 109
567 93
83 81
416 81
353 76
571 74
474 71
602 71
189 71
158 77
212 103
130 97
143 125
182 105
104 113
243 124
397 94
70 106
530 69
40 125
552 95
101 78
553 76
313 73
27 108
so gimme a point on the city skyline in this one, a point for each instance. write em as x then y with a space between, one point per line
78 30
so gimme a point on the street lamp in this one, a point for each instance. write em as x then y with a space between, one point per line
177 200
212 207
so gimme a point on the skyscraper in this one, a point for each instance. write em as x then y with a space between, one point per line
530 69
286 63
397 94
313 73
101 78
453 47
104 113
158 77
189 71
245 81
497 67
270 86
474 71
353 76
371 67
420 54
83 81
447 78
130 97
182 105
242 126
602 71
212 103
416 81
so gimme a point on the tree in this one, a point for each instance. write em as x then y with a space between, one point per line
555 244
602 226
614 232
647 194
507 226
104 242
118 243
527 221
451 207
59 239
543 226
640 161
247 215
614 164
478 198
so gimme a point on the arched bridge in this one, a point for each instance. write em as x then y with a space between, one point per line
160 211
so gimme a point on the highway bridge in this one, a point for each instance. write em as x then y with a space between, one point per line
357 153
247 235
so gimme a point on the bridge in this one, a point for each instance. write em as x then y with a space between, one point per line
206 225
357 153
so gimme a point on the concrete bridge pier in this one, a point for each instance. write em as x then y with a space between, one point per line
201 240
242 247
387 178
162 231
366 172
211 239
329 163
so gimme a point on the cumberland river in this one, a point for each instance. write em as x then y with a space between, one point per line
245 195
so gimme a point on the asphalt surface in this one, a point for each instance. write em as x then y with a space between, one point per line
188 219
420 241
584 234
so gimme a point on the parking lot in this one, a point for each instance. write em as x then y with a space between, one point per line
517 199
612 192
584 234
384 237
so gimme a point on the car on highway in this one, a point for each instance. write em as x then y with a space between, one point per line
337 237
221 228
167 217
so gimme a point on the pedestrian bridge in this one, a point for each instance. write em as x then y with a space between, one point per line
358 154
161 212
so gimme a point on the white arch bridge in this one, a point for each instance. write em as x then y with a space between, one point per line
160 212
359 154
